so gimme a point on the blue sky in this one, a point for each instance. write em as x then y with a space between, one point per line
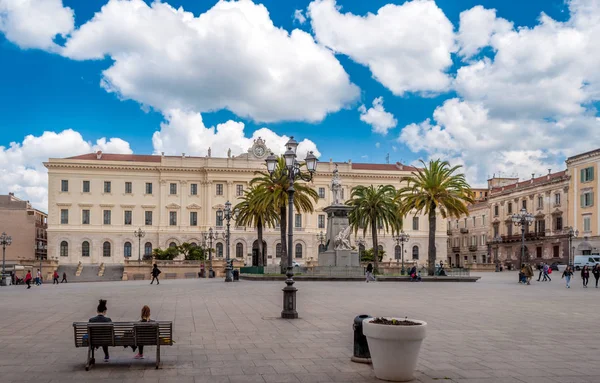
50 87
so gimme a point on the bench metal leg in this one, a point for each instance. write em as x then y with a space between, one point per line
158 355
90 357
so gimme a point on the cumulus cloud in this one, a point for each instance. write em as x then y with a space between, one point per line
299 16
185 132
35 23
376 116
21 164
477 27
407 47
230 57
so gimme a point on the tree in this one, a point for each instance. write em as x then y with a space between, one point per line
368 255
373 207
191 252
168 254
274 193
252 212
435 187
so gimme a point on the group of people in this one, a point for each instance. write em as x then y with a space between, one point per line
38 279
585 275
101 317
527 273
415 275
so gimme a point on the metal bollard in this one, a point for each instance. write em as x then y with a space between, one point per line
361 348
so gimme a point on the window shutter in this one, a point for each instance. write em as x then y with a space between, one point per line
582 198
582 175
591 198
591 174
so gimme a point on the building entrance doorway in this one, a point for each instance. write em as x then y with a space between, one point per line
255 253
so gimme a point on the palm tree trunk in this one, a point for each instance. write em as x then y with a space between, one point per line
431 250
259 229
283 226
375 246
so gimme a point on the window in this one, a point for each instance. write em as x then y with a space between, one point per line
538 252
64 186
587 223
239 190
587 174
342 190
147 249
473 241
148 187
559 223
540 226
86 186
587 199
128 188
321 192
298 221
509 229
64 249
509 208
85 249
278 250
556 251
173 218
85 217
465 220
148 218
474 259
219 249
496 211
524 204
298 250
483 220
107 186
496 230
219 218
321 248
128 217
397 252
239 250
540 202
173 188
127 250
219 189
483 239
172 244
64 216
321 221
106 214
106 249
193 218
557 199
415 252
193 189
474 221
456 242
415 223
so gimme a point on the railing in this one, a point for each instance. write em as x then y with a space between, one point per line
473 248
334 271
528 236
455 249
464 230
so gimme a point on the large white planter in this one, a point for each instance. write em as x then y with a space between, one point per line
394 349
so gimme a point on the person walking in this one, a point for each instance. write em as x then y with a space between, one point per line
64 279
567 274
585 276
145 317
369 273
528 272
28 279
541 269
596 273
100 318
38 279
155 272
546 270
55 278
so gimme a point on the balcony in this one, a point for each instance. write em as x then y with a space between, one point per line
528 237
456 249
449 232
473 248
464 230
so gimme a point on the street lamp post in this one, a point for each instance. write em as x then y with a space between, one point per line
5 240
228 214
321 238
203 246
292 171
139 234
400 239
523 219
209 237
496 241
572 233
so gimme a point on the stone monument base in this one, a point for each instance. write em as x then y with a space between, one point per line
340 258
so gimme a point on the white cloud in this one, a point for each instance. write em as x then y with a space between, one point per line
21 164
230 57
35 23
477 27
376 116
407 47
377 145
299 16
185 132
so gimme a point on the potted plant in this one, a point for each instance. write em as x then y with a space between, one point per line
394 344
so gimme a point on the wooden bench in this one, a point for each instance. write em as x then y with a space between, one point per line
121 334
170 275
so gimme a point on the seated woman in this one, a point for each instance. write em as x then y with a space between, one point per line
145 317
101 317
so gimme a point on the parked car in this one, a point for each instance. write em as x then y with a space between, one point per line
554 266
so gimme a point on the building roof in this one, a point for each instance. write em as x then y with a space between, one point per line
117 157
389 167
529 182
582 155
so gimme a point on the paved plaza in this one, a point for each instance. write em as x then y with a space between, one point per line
491 331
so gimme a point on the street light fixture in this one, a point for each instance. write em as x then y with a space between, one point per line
228 214
497 240
139 234
572 233
292 171
209 237
400 239
5 240
523 219
321 238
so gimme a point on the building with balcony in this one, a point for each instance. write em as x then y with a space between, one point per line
27 227
467 237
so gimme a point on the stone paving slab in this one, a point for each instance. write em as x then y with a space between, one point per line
491 331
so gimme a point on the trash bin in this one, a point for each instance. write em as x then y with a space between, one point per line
361 348
236 275
211 273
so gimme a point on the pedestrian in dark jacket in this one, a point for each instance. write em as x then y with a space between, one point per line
100 318
567 274
64 279
585 275
369 273
155 272
596 273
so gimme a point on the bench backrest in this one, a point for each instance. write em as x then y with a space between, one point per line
123 333
146 333
101 334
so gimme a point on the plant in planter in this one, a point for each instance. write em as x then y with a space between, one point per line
394 344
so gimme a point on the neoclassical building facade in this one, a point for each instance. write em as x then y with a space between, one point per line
97 201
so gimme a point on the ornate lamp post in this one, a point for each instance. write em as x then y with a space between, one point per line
400 239
572 233
497 240
139 234
523 219
208 238
292 172
321 238
5 240
203 246
228 214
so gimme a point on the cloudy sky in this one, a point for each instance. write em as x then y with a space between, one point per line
501 86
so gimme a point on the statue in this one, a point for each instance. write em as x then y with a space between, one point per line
342 240
336 187
209 151
229 153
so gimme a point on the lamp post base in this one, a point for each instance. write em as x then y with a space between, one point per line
402 271
228 272
211 274
289 303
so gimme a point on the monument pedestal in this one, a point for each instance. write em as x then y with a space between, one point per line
337 220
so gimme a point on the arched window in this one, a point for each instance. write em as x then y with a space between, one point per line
415 252
239 250
106 249
380 247
194 244
398 252
85 249
64 249
298 250
321 248
148 249
127 250
278 250
219 250
172 244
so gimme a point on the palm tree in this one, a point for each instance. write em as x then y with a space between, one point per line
435 187
274 193
251 212
373 207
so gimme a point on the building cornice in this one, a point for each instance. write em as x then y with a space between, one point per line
514 190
